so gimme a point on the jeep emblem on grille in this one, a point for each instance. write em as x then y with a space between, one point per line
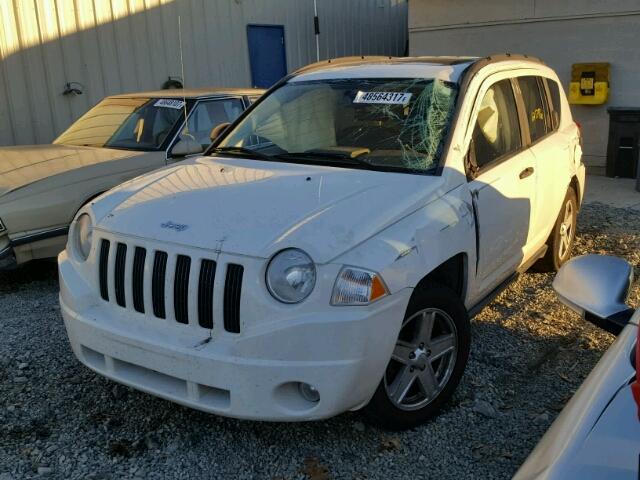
178 227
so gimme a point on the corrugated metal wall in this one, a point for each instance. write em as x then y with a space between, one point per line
115 46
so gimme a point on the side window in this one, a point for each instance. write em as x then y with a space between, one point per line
556 103
497 130
211 113
253 98
535 107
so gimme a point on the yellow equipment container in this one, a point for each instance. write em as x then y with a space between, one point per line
589 83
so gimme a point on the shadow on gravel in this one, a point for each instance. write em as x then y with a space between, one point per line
36 271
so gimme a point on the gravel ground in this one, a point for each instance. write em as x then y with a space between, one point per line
529 355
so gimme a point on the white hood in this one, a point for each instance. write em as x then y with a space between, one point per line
256 208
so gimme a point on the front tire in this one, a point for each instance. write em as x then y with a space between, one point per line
563 235
427 363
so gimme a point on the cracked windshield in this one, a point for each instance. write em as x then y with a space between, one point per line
379 124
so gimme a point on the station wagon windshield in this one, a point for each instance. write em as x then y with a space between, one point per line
378 124
126 123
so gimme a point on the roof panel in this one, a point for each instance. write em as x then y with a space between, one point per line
194 92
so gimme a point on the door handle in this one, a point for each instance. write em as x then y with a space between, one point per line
527 172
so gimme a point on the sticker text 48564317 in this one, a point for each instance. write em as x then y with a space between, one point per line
385 98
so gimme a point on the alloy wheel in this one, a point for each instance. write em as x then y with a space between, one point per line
566 231
423 359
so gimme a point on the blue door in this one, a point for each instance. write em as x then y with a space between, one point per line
266 54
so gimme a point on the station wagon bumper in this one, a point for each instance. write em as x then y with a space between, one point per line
341 352
7 257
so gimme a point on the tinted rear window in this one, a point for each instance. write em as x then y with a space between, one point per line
556 103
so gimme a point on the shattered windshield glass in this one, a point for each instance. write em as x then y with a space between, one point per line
385 124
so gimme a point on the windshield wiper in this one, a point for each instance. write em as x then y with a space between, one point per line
242 151
323 155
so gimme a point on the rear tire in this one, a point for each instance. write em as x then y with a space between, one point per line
562 238
427 363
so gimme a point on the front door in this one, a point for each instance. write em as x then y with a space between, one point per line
503 187
267 55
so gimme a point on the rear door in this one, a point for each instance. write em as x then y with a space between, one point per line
552 148
502 185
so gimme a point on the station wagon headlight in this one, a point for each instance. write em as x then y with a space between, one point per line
83 236
291 276
357 286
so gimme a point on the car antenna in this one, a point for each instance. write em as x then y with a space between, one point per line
184 96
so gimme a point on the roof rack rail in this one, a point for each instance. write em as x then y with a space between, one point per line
501 57
341 61
445 60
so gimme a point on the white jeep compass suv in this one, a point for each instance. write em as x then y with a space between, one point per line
329 250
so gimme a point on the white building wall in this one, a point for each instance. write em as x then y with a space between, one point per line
559 32
115 46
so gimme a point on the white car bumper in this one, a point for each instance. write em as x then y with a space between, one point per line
341 351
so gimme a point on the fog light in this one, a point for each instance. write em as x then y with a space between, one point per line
309 392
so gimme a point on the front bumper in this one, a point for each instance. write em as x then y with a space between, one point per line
7 257
342 352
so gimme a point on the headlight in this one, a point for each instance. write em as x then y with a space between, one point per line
291 276
357 286
83 235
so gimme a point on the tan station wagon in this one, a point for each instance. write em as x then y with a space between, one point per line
43 186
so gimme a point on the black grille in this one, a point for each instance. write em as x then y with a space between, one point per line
157 284
129 271
104 269
121 258
205 293
232 291
181 289
137 279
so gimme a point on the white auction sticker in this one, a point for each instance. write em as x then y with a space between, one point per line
385 98
169 103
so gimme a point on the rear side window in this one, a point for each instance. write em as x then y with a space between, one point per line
497 130
556 103
535 107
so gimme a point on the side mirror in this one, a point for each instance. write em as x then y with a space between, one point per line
186 146
597 286
217 130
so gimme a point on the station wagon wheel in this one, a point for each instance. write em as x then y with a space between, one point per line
423 359
427 362
563 235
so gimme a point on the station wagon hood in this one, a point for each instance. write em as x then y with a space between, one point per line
256 208
24 165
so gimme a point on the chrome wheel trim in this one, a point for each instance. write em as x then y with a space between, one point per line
567 231
423 359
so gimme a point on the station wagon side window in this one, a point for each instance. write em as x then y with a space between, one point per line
497 130
208 114
536 110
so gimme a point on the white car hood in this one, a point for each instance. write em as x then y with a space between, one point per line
256 208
